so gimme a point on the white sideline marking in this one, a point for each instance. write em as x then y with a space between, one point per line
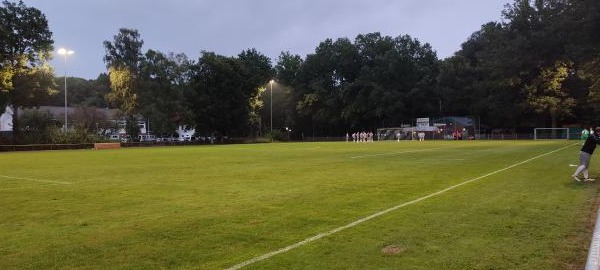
352 224
36 180
593 260
396 153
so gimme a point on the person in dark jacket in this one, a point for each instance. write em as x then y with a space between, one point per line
587 150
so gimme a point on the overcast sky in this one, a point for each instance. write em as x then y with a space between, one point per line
227 27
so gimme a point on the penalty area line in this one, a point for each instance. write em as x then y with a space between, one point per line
35 180
381 213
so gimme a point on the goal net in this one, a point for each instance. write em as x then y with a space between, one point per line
551 134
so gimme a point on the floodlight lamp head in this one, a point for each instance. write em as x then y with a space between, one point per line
64 51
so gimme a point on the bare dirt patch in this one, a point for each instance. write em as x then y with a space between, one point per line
392 250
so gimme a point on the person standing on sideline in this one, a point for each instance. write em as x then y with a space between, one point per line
587 150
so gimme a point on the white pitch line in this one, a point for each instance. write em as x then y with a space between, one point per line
36 180
593 259
21 188
430 161
396 153
357 222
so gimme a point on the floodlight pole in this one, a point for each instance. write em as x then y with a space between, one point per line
271 83
65 52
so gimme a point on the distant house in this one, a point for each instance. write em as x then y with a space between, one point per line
6 119
185 133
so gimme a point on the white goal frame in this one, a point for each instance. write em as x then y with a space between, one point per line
551 134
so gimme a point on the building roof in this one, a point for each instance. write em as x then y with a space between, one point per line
57 111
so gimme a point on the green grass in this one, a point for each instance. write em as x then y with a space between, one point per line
212 207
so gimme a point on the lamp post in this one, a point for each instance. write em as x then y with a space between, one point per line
66 53
271 83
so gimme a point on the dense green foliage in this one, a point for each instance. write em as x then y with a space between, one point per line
223 92
376 81
161 97
25 46
213 207
539 66
123 59
82 92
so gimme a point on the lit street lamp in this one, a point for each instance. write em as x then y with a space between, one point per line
271 83
66 53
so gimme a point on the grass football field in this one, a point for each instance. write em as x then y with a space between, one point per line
382 205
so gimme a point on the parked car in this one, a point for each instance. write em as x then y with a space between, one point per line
146 138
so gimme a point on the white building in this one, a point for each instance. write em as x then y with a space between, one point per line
185 133
6 119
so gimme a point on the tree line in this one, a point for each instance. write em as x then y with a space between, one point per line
539 66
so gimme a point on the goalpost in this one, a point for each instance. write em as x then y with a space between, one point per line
551 134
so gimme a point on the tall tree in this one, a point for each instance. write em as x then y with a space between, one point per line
123 58
125 50
508 73
256 71
485 77
285 99
547 95
376 97
375 81
25 46
213 89
224 92
124 97
164 78
583 22
321 83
